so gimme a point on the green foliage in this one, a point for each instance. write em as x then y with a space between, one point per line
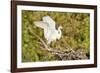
75 33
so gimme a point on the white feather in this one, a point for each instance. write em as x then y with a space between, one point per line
50 22
41 24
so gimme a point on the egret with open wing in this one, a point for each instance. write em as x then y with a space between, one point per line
50 32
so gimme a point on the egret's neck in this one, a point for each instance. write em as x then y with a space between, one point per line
59 32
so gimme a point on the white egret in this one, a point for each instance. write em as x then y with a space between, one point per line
50 32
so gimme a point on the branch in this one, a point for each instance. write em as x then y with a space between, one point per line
66 55
56 52
45 45
41 40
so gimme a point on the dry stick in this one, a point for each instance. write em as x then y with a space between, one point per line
39 39
56 52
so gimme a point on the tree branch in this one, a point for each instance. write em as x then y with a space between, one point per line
67 55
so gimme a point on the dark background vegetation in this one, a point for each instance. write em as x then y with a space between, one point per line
75 34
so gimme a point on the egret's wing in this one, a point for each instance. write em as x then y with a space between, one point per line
50 21
41 24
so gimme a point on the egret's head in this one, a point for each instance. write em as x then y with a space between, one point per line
60 27
59 32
